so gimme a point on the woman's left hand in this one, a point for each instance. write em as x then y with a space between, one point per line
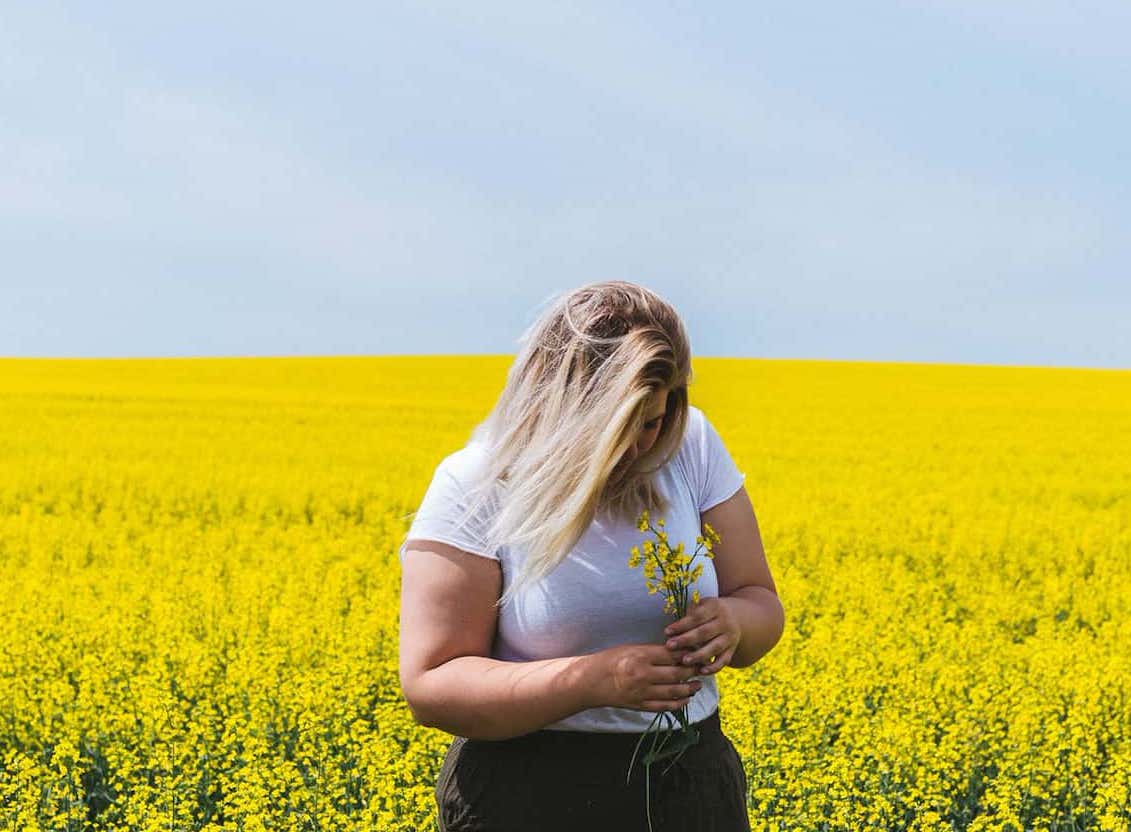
709 629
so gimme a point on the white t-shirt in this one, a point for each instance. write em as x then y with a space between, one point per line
593 599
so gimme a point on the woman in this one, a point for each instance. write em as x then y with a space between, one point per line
523 631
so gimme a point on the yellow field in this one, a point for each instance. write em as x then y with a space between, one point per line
199 578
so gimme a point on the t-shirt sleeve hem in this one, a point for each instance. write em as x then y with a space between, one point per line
443 538
728 492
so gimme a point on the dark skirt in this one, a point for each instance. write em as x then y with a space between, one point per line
574 781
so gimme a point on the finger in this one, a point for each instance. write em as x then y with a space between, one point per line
665 657
674 674
691 631
721 661
695 615
712 647
679 691
679 626
665 704
694 638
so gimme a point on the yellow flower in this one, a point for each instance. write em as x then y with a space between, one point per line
711 533
694 596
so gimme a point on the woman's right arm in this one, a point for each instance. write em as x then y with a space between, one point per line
448 621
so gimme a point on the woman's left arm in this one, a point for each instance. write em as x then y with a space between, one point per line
747 619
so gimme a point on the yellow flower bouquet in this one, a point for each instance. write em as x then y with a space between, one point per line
671 572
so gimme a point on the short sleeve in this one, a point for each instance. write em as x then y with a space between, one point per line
717 477
440 513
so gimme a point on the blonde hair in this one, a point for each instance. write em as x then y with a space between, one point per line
574 403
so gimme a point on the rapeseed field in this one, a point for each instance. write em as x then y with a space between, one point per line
200 587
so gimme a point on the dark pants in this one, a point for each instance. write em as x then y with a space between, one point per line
574 781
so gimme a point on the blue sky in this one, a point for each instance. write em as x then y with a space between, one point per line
944 182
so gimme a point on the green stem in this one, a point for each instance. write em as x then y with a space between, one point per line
642 736
648 782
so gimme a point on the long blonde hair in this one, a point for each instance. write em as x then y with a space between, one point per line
574 403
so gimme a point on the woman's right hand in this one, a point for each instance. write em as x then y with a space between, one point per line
644 677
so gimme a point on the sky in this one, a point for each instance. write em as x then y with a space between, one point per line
945 182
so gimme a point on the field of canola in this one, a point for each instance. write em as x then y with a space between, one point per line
200 589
